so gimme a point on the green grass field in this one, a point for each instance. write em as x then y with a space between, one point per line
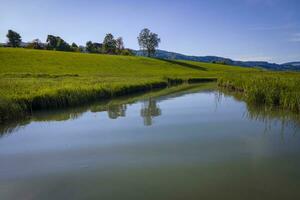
37 79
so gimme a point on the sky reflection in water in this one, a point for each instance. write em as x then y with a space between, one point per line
190 143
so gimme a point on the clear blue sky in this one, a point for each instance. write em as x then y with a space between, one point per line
239 29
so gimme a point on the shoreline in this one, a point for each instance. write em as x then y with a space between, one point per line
20 109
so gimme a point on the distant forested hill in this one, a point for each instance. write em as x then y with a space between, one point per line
294 66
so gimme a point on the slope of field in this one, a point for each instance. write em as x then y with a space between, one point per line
36 79
29 72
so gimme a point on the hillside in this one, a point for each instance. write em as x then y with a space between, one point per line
292 66
38 79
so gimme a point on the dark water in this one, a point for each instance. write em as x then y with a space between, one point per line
193 144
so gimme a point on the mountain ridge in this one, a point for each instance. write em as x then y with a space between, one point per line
162 54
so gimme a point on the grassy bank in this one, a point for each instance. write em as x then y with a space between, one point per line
34 79
108 105
272 89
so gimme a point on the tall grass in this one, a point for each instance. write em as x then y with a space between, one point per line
17 103
270 89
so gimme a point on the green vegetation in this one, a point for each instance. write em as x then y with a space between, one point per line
148 41
34 80
14 38
110 45
108 105
272 89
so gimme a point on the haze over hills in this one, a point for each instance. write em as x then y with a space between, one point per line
295 66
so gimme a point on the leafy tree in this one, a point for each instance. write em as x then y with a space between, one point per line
51 42
35 44
75 47
93 47
109 44
148 41
89 47
14 38
62 45
57 43
98 47
119 44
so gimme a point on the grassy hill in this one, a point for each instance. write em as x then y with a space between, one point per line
30 73
36 79
53 62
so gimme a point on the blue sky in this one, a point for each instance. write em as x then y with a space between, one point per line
239 29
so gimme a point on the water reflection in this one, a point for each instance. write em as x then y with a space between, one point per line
270 116
149 110
115 108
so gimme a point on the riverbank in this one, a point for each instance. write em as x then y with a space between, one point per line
39 79
33 80
10 109
280 90
73 112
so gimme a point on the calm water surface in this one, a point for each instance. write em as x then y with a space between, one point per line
197 144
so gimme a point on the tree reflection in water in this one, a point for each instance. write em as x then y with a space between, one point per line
149 110
116 110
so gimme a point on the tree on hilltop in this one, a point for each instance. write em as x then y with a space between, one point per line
14 38
57 43
109 44
148 41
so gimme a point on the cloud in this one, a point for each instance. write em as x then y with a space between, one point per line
295 37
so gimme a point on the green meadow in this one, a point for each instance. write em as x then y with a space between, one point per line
39 79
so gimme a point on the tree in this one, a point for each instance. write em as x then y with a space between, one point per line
109 44
51 42
148 41
62 45
14 38
35 44
89 47
75 47
119 44
93 47
57 43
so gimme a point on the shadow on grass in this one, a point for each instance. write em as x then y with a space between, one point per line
184 64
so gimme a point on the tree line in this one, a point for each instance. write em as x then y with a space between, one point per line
147 40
